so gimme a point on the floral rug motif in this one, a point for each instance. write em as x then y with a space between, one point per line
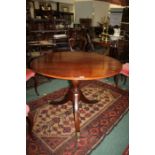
54 128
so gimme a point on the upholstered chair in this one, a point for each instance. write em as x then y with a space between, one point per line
29 121
80 40
124 72
125 69
31 74
27 110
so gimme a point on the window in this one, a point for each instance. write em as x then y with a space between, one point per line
116 16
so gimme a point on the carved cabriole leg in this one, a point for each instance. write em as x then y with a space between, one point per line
29 123
74 94
35 85
68 97
116 78
85 100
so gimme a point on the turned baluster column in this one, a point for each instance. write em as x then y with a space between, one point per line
76 98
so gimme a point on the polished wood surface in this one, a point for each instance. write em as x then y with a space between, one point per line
76 65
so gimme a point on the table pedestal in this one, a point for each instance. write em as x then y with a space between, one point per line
74 94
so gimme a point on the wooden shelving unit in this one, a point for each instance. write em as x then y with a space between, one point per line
43 23
125 23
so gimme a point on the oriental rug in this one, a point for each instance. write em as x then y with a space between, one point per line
53 127
126 151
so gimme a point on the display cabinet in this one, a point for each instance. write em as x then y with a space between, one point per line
47 20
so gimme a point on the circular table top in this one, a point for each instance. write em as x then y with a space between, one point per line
76 65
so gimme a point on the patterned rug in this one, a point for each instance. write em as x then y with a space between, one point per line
53 128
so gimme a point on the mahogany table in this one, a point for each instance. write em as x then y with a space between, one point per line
76 66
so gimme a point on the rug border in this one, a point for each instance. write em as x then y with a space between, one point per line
110 129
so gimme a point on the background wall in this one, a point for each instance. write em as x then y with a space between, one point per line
101 10
83 9
95 10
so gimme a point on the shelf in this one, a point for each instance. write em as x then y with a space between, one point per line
35 20
47 23
124 22
39 12
49 31
56 13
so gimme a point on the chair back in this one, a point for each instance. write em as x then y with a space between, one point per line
120 50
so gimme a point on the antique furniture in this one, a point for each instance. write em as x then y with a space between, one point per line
75 67
124 72
31 74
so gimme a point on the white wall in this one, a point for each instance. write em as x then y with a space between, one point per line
96 10
83 9
100 11
116 6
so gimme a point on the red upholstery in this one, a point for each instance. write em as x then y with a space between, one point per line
125 69
27 109
29 74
